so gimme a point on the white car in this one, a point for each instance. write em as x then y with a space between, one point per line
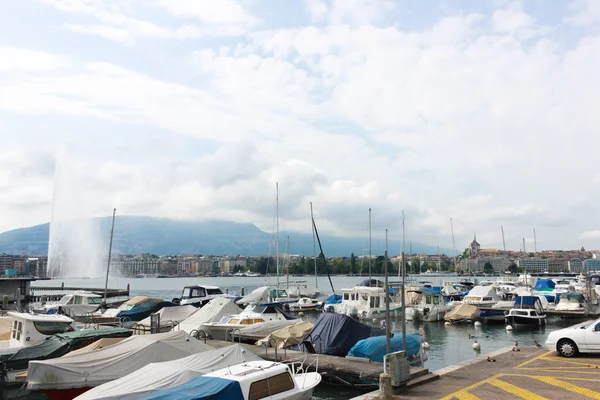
584 338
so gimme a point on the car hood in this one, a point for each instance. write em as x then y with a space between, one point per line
570 329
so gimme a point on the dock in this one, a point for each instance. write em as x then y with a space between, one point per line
530 373
339 370
62 288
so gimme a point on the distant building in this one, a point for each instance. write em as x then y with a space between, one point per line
475 247
592 264
500 264
533 264
576 265
558 265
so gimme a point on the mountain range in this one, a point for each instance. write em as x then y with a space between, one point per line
140 235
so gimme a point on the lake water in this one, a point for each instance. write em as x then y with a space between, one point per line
448 345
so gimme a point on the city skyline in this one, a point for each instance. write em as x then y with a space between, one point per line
479 111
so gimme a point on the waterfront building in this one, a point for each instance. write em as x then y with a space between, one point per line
533 264
592 264
576 265
474 246
558 265
500 264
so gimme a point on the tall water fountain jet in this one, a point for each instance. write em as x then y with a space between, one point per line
77 247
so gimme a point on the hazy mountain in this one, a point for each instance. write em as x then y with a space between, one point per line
138 235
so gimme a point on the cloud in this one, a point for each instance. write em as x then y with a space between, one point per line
590 235
477 116
13 59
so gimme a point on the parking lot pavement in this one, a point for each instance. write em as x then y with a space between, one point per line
533 373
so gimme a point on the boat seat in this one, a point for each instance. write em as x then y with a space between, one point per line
309 346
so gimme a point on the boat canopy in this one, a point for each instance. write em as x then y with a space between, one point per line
572 296
482 291
545 285
165 375
110 363
333 299
212 311
259 295
370 282
201 388
261 329
373 348
335 334
287 336
60 344
432 290
463 311
171 315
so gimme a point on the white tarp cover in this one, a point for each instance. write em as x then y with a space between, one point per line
259 295
110 363
212 311
164 375
262 329
169 315
461 312
288 336
97 345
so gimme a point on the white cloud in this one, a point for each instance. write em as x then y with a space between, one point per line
584 13
590 235
18 59
478 117
213 12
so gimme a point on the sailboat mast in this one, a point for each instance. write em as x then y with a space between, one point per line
534 242
287 261
388 346
369 247
312 218
503 242
439 260
403 287
277 230
453 245
112 230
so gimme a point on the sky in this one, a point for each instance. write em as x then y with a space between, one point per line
480 111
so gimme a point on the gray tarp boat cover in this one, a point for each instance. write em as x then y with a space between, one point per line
335 334
165 375
107 364
462 312
212 311
171 315
257 296
263 329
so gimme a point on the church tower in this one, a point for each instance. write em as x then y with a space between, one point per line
475 247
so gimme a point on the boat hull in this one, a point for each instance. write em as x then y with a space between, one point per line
521 320
64 394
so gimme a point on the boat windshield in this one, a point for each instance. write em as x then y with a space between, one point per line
192 292
52 327
214 291
65 300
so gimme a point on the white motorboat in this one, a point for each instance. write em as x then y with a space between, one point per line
28 330
269 380
482 296
304 304
73 305
252 314
571 301
198 295
364 302
526 311
431 308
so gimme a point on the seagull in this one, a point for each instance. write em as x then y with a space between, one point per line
516 346
539 346
490 359
472 336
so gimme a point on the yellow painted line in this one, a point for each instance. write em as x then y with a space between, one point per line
533 359
558 360
464 390
568 386
467 396
517 391
574 370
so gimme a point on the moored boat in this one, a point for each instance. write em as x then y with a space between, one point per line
526 311
304 304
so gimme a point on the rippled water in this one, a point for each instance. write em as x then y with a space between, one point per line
448 345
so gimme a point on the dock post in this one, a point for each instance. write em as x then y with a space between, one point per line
18 299
44 299
62 286
5 302
226 290
243 291
385 387
128 289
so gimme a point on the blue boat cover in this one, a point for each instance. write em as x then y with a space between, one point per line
571 296
432 290
523 301
544 284
201 388
335 334
373 348
333 299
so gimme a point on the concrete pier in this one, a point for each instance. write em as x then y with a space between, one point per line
531 373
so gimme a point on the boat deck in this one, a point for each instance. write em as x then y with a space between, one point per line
339 369
531 373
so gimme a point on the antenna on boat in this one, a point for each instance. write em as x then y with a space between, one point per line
453 245
370 247
388 346
403 268
323 254
312 218
277 235
503 242
524 246
112 230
